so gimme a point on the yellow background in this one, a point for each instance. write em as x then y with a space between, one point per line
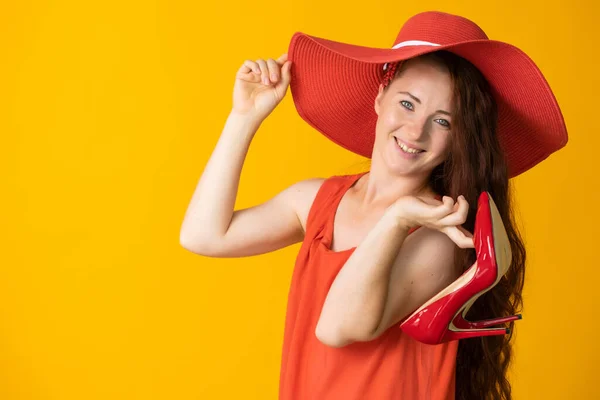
109 111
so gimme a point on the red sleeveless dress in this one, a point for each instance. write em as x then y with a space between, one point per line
393 366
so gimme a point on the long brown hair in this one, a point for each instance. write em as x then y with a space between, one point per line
476 163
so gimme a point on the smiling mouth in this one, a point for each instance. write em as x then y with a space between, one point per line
407 149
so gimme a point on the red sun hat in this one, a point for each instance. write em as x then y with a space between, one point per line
334 86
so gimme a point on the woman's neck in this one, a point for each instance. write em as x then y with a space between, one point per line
381 190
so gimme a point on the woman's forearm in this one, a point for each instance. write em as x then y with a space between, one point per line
357 298
212 205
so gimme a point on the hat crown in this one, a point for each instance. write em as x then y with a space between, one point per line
439 28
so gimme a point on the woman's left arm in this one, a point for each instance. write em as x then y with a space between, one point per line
390 274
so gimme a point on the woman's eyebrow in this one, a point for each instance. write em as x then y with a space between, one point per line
415 98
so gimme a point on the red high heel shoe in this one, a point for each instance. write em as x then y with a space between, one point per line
442 318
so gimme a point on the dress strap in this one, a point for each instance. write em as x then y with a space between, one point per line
327 197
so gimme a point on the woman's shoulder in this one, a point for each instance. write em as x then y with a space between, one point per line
308 188
303 194
305 191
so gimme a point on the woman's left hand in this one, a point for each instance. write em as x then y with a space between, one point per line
446 216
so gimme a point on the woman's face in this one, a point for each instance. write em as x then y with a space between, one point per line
413 125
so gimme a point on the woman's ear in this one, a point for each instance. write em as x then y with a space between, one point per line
380 95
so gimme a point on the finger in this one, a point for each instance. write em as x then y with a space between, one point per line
443 209
247 72
244 69
448 202
460 212
282 59
248 66
463 204
286 75
452 219
459 237
248 77
264 71
465 232
431 201
273 70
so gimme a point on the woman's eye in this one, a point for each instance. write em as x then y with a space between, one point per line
443 122
406 104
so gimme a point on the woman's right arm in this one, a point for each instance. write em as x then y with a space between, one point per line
211 227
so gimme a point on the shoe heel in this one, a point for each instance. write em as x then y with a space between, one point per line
495 321
473 333
461 323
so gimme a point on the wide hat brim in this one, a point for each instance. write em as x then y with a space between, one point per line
334 86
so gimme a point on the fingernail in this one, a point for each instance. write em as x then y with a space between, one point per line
274 77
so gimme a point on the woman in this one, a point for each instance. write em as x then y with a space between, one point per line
444 116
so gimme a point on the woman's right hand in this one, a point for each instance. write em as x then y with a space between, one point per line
260 86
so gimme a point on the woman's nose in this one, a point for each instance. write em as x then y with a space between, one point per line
417 128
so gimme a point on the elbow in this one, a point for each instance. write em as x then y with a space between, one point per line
329 338
187 243
198 246
333 336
